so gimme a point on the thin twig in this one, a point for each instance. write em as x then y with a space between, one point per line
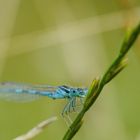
36 130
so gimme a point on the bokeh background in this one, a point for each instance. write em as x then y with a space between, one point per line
70 42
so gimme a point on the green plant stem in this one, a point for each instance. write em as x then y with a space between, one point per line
98 84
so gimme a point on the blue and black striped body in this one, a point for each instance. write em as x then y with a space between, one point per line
27 92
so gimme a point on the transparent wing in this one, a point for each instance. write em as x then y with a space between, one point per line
24 92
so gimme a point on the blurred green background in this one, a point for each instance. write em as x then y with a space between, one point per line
70 42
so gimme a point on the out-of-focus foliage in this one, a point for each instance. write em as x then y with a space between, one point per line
69 42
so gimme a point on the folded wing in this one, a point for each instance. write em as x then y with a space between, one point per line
24 92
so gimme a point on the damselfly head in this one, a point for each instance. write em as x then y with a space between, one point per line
82 92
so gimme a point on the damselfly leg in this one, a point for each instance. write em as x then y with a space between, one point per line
71 107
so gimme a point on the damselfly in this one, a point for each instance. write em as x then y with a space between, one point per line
26 92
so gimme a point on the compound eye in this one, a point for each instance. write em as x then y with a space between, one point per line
74 91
